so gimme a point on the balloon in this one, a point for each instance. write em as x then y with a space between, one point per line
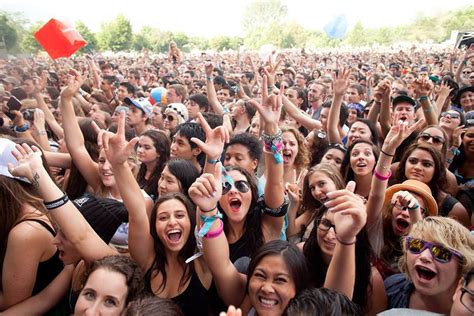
158 95
337 27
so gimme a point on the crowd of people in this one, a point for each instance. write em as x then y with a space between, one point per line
335 183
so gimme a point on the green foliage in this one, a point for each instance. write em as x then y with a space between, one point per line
90 38
8 32
116 35
29 43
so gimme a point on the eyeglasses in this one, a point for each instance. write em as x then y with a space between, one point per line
242 186
168 117
438 252
404 208
436 139
325 224
451 115
337 146
467 300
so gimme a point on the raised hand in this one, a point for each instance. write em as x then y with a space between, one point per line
215 138
73 86
117 148
29 161
270 108
340 81
457 139
208 68
405 199
206 191
38 120
423 87
349 211
400 131
232 311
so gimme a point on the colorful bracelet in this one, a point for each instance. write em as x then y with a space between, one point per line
56 203
414 207
382 177
346 243
207 222
215 233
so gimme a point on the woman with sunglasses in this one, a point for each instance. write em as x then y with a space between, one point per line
436 253
249 221
278 269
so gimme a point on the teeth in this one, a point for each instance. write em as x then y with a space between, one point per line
268 302
174 231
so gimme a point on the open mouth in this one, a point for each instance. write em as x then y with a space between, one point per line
174 235
361 165
235 204
286 157
425 273
402 223
267 302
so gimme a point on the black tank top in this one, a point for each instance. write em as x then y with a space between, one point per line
195 300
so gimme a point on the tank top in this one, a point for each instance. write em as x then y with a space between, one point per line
47 271
195 300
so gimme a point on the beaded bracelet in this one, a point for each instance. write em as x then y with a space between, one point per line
56 203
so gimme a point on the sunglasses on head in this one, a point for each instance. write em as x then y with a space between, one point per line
438 252
451 115
242 186
436 139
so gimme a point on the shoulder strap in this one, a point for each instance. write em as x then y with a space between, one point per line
42 223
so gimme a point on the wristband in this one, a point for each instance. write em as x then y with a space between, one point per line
56 203
414 207
346 243
212 161
207 222
428 110
454 150
382 177
423 98
21 129
383 152
212 209
215 233
209 78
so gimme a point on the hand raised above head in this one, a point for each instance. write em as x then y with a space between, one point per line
206 191
117 148
215 138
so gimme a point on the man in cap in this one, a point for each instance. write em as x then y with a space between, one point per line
9 83
138 114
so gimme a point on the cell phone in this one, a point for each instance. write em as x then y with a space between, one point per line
13 104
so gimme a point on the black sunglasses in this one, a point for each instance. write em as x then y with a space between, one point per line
242 185
168 117
436 139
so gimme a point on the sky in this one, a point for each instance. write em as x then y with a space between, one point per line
213 17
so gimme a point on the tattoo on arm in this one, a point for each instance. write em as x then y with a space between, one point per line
34 180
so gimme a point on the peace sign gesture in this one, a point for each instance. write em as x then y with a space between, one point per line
215 138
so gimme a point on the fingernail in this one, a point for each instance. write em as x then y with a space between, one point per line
331 209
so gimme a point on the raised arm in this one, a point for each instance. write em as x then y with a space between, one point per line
442 102
349 218
423 88
468 54
385 118
70 221
39 130
211 91
49 117
117 150
291 109
73 135
205 193
340 84
398 132
269 111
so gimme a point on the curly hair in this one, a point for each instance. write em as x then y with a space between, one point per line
302 157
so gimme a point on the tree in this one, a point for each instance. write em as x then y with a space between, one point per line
358 35
263 21
29 43
87 34
8 32
116 35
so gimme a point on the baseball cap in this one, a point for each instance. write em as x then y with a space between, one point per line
141 103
